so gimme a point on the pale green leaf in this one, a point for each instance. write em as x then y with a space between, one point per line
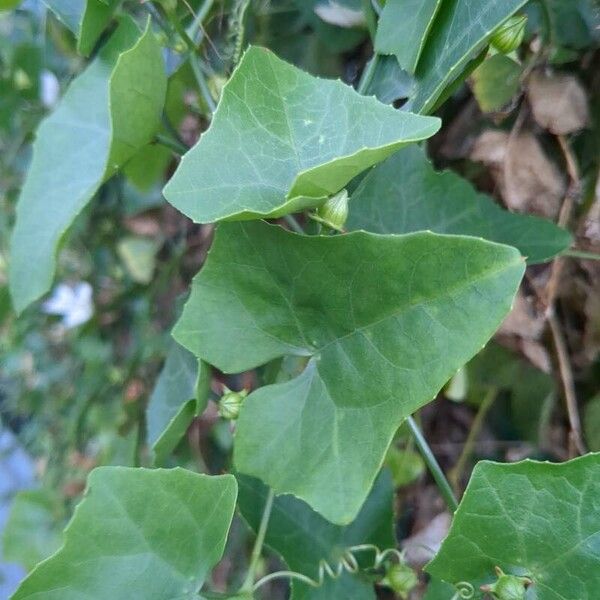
138 533
406 194
282 140
460 31
180 394
495 82
387 321
110 111
390 82
403 29
32 531
138 255
533 519
314 539
85 18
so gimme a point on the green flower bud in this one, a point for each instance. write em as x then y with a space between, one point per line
231 403
401 579
508 587
509 35
334 212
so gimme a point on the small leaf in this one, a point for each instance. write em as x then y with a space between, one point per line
390 82
530 519
151 534
406 194
180 394
403 29
284 141
495 82
31 532
387 321
138 255
314 539
110 111
85 18
459 33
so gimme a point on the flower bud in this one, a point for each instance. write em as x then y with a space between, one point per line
401 579
508 587
334 212
509 35
231 403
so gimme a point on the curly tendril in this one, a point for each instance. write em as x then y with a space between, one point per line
464 591
347 563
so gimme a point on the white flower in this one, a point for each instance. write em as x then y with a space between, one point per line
73 303
49 88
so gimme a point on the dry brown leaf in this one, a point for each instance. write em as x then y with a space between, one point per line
422 546
529 182
558 102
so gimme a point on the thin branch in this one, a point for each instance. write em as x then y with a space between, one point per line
566 375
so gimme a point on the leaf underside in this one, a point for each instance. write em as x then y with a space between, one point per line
406 194
151 533
533 519
386 320
282 140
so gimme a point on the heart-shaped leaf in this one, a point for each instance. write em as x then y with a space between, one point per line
460 31
403 29
406 194
151 534
282 140
387 321
180 394
533 519
110 111
85 18
316 539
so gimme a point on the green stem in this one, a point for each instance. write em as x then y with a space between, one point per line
199 18
433 465
291 221
171 143
367 74
582 254
258 544
202 84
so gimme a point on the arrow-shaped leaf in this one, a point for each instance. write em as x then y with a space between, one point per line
387 321
138 533
406 194
315 539
110 111
460 31
532 519
282 140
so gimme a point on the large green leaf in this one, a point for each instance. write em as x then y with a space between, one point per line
85 18
138 533
387 321
460 30
282 140
533 519
314 539
180 394
406 194
403 29
110 111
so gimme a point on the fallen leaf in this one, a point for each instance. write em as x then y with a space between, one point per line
529 182
558 102
422 546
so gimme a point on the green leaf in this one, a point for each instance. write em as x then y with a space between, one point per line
151 534
403 29
180 394
110 111
460 31
31 532
284 140
138 255
534 519
304 539
85 18
390 82
387 321
496 81
406 194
